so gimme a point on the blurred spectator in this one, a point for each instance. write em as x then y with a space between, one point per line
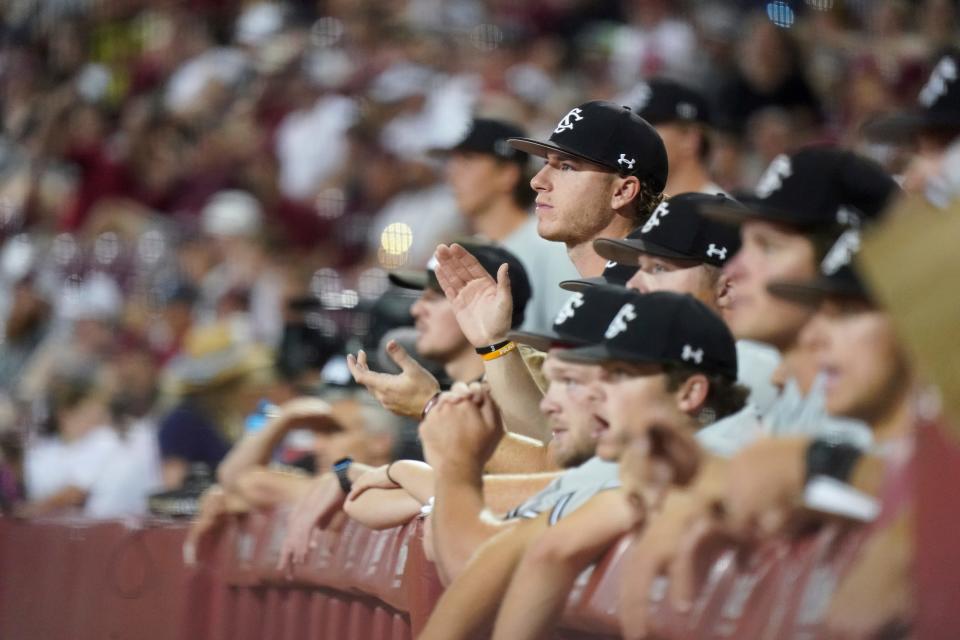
769 73
244 282
218 379
25 327
80 460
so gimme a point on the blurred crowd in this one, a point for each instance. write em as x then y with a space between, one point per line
206 209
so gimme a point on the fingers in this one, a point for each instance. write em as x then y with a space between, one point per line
503 283
697 550
356 367
637 582
466 266
448 276
401 358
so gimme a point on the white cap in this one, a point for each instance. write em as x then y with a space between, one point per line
95 298
258 23
232 213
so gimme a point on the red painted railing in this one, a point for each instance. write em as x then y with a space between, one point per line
75 579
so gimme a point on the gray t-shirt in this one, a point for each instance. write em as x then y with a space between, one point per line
794 414
569 491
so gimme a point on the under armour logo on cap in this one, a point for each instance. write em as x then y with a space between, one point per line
719 252
779 170
692 355
687 111
625 162
841 253
575 115
654 221
610 264
618 325
569 308
848 217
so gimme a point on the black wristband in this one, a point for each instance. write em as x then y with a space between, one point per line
492 347
833 459
340 469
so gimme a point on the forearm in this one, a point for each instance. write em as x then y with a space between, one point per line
265 488
470 603
459 523
415 477
551 564
520 454
253 450
66 497
536 597
518 396
383 508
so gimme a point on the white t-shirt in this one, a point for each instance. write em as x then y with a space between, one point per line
51 465
122 488
756 364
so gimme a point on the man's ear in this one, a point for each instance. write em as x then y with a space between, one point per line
692 394
723 290
626 190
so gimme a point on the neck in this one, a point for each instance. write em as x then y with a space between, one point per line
465 367
797 363
686 177
500 219
892 421
585 259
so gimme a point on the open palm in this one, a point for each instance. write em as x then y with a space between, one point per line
483 306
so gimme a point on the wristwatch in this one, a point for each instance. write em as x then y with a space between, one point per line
340 468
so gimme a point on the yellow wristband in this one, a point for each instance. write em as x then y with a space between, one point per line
502 351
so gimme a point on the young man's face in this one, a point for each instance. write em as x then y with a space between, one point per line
573 199
566 404
438 334
679 276
477 179
858 350
768 252
628 399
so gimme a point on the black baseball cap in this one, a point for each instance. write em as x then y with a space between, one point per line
489 136
662 101
677 229
667 328
490 257
609 135
819 187
838 277
581 321
938 105
614 275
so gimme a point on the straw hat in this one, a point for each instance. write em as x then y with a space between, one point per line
213 355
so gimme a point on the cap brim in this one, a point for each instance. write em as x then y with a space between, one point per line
899 128
597 353
541 149
625 251
812 292
577 286
542 341
736 214
409 279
